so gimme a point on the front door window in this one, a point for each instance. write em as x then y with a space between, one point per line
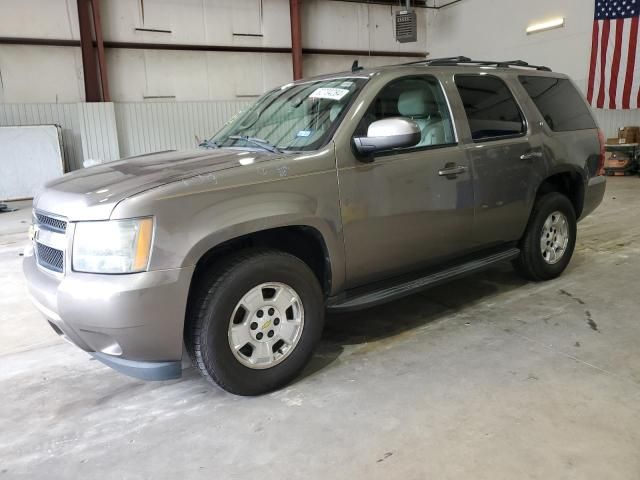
418 98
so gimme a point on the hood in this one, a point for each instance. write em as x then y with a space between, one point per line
103 186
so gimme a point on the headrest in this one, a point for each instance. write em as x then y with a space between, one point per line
417 103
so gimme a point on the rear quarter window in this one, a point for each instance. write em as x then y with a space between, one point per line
559 103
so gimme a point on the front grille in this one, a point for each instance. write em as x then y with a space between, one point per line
52 223
50 241
50 258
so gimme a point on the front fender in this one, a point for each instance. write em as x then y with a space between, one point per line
257 213
190 223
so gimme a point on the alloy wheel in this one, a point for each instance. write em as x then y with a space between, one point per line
554 237
266 325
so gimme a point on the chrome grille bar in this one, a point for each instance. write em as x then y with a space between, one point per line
51 223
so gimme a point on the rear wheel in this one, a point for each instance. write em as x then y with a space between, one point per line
549 241
255 322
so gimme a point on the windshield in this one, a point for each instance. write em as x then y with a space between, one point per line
293 117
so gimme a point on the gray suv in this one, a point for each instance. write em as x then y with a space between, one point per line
339 192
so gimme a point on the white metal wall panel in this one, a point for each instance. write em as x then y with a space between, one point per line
153 127
30 156
98 132
63 114
247 17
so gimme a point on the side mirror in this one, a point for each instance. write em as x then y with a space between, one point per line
397 132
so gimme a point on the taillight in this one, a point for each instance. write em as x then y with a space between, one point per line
600 169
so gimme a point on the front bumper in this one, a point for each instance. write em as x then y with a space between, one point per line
133 323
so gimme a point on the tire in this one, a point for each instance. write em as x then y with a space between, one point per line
221 303
535 263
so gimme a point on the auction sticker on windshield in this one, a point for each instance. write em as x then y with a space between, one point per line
329 93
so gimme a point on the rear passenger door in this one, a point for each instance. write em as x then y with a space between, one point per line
503 157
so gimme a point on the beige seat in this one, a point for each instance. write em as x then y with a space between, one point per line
421 106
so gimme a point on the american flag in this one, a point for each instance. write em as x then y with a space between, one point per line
614 72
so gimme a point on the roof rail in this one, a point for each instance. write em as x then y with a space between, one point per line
453 61
428 61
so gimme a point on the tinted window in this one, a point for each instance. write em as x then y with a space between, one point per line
418 98
491 110
559 102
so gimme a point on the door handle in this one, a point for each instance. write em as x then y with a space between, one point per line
531 155
452 170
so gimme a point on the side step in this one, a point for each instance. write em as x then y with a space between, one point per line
385 292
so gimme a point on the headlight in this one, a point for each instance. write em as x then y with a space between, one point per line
112 246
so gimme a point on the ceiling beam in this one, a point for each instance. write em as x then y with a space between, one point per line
48 42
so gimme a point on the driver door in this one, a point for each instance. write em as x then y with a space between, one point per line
406 210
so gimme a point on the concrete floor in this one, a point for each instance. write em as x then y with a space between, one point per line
488 377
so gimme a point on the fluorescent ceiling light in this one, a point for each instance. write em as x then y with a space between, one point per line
548 25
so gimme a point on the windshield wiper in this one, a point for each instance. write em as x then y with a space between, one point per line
259 142
208 143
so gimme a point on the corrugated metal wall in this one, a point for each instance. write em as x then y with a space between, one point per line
104 132
611 120
98 132
108 131
152 127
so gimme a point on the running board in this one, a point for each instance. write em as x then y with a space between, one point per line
382 293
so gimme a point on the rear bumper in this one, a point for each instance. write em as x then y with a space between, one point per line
132 323
593 195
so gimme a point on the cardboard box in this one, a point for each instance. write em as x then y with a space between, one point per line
628 134
613 141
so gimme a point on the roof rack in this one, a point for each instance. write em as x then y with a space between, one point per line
453 61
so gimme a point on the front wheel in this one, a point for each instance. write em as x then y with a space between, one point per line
255 322
548 242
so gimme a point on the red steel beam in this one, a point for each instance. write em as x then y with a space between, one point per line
89 65
102 62
296 38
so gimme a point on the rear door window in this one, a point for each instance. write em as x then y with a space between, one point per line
559 103
491 109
